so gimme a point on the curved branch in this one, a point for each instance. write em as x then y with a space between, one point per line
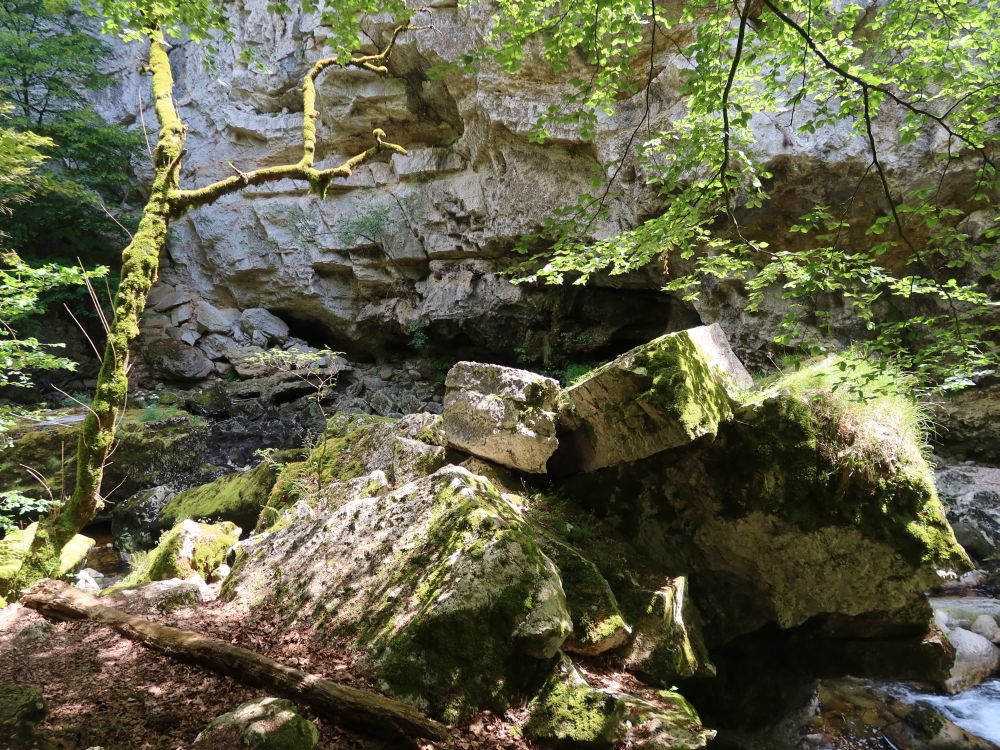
304 169
846 74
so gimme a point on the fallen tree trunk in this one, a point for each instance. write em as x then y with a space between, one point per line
365 711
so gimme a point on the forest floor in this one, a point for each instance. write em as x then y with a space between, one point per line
105 691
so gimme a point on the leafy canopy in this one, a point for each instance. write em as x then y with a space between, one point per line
919 77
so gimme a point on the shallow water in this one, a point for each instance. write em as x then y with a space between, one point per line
976 710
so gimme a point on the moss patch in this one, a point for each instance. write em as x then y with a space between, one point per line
684 386
14 546
568 711
185 550
236 497
816 461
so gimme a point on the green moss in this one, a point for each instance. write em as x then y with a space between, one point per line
458 660
339 457
211 545
817 457
684 386
236 497
592 605
567 711
14 546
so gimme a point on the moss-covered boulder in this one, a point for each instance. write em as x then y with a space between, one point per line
442 581
806 505
355 446
667 643
21 708
569 712
188 549
501 414
261 724
657 396
598 624
235 497
14 546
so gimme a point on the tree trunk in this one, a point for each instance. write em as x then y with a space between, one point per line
140 260
362 710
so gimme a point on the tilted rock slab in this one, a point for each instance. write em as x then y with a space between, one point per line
501 414
660 395
442 580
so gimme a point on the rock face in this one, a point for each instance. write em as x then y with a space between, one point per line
418 240
501 414
441 578
262 724
658 396
972 495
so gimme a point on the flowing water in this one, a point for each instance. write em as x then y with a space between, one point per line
977 710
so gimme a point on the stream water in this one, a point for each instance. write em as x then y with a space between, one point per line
976 710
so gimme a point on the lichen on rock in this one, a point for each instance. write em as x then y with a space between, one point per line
189 548
261 724
658 396
441 581
14 546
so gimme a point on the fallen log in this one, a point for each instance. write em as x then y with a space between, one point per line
362 710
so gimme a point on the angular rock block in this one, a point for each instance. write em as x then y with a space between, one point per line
501 414
660 395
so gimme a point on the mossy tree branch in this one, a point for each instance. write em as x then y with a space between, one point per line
140 261
304 169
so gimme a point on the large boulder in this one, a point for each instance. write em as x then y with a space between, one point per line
976 659
188 549
800 486
235 497
442 581
657 396
261 724
501 414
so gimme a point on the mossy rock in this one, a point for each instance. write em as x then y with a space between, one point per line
235 497
442 582
189 548
598 625
14 546
261 724
799 487
667 643
568 712
658 396
21 708
155 446
353 446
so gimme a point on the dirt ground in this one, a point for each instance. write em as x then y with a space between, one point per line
106 691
